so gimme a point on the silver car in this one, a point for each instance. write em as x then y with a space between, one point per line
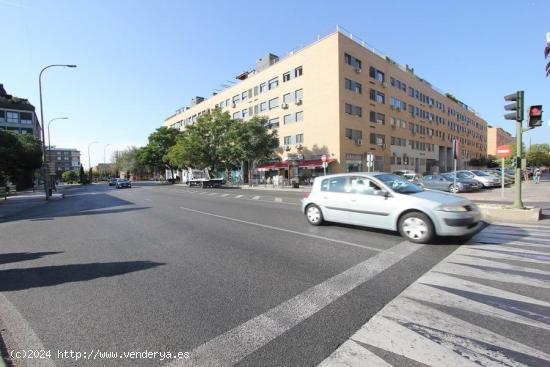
485 179
387 201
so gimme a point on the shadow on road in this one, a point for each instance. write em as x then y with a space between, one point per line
24 256
20 279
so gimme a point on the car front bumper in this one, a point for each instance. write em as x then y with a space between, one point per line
458 223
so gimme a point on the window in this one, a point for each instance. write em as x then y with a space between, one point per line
26 118
361 185
236 99
353 86
236 115
299 138
376 74
287 140
377 96
299 94
350 60
288 119
263 106
273 123
338 184
299 116
288 98
324 185
263 88
377 139
353 110
273 103
2 116
244 113
298 72
273 83
244 95
354 134
256 109
286 76
12 117
377 118
397 104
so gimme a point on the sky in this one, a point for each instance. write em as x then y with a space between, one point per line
139 61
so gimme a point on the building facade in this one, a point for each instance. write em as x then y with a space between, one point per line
18 115
337 97
497 136
64 159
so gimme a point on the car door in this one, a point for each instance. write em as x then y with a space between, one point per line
440 183
334 198
368 207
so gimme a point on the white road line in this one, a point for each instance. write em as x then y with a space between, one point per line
229 348
20 331
278 200
256 198
351 354
283 229
224 195
238 196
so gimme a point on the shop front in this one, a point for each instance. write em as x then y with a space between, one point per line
294 169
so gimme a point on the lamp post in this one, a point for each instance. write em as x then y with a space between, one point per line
49 140
44 164
89 161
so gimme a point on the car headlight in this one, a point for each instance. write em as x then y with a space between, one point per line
452 208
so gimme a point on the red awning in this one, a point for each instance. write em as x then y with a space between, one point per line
313 163
307 163
271 166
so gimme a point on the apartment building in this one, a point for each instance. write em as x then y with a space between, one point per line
337 97
18 115
64 159
496 136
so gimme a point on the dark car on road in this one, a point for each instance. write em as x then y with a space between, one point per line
122 182
112 182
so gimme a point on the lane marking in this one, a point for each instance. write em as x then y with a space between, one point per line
256 198
21 332
238 196
224 195
231 347
278 200
283 229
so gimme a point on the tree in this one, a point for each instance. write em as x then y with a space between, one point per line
69 177
20 156
539 155
81 175
130 160
511 160
155 153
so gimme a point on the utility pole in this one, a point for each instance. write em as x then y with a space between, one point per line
517 115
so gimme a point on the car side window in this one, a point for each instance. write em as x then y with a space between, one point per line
324 185
362 185
338 184
428 178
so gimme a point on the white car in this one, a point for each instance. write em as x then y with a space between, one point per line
387 201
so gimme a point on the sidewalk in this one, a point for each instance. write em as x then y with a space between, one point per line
24 200
485 304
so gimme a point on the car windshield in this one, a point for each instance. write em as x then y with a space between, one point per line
464 175
448 176
399 184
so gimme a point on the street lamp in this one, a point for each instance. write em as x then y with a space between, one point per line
49 140
44 164
89 161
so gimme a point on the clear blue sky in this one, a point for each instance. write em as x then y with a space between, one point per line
138 61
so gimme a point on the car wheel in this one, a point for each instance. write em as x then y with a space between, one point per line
416 227
314 215
454 189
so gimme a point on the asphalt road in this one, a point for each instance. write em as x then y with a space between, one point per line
230 279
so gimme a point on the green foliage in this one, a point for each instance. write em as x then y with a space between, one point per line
218 142
155 154
82 176
539 155
70 177
20 156
131 160
511 160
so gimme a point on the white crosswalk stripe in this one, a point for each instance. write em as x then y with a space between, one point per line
426 323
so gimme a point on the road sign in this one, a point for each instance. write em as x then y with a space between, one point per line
324 158
504 151
370 163
325 164
370 158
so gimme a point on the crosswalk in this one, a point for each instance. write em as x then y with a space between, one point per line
487 304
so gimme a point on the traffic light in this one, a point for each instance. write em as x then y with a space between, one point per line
517 107
535 116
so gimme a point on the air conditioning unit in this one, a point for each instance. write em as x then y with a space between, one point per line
287 148
298 102
358 70
233 105
359 141
284 106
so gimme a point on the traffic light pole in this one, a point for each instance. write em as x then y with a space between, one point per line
518 204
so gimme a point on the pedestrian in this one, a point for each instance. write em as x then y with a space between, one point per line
537 175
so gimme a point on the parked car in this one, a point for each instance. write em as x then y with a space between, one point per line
445 182
112 181
485 179
122 182
387 201
412 177
507 180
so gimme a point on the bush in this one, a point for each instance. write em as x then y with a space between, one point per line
70 177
